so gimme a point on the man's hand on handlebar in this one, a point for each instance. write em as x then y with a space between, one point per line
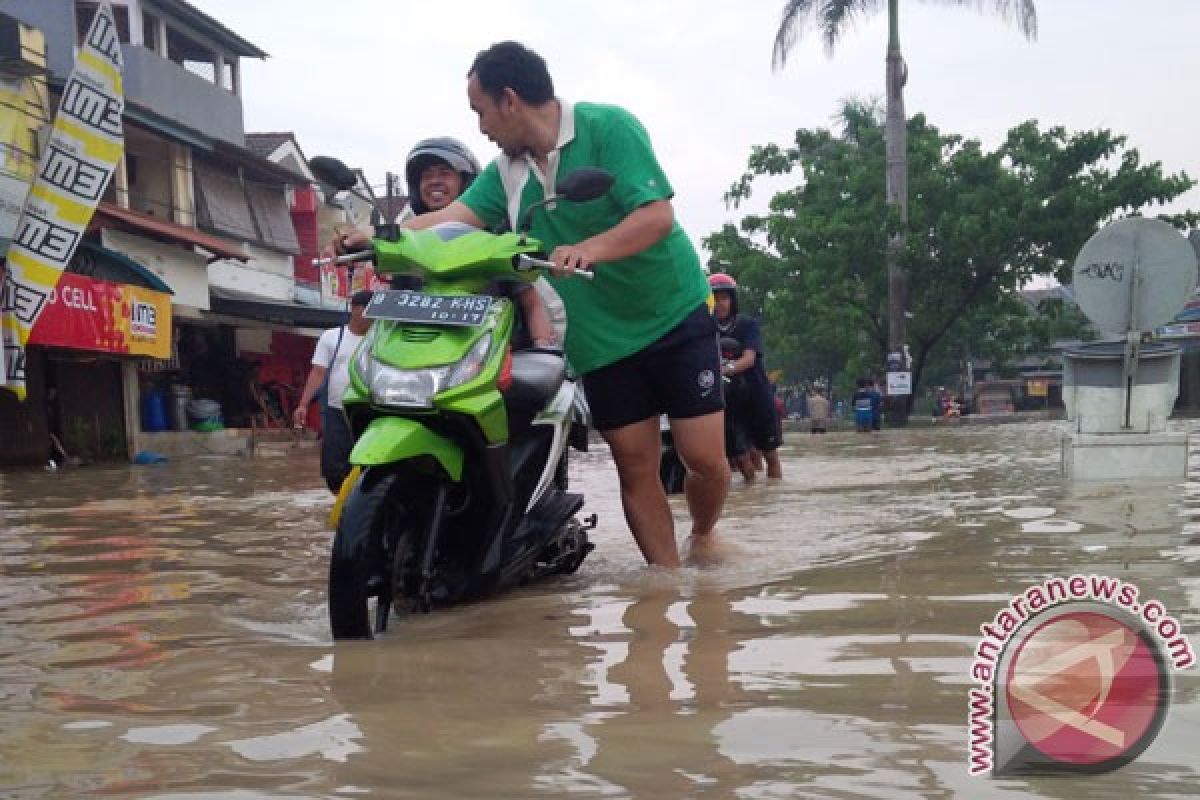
348 240
347 245
571 258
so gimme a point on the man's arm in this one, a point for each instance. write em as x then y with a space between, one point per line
316 376
355 239
641 229
744 362
536 318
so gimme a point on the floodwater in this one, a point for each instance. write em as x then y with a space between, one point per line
163 634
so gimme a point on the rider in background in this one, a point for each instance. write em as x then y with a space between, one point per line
751 404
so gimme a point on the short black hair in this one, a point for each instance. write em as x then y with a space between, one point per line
514 66
361 298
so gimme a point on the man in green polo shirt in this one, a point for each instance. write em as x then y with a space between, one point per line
640 332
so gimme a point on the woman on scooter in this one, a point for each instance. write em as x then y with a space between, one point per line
750 415
437 171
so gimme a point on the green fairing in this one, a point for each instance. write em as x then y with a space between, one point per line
463 265
477 398
393 345
390 439
460 266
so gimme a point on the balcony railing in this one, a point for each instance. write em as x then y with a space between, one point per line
169 90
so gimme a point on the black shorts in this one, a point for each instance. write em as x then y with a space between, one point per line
679 375
752 421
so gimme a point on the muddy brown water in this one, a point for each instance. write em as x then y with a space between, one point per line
163 634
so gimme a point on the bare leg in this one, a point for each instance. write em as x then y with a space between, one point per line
745 465
635 449
774 465
700 442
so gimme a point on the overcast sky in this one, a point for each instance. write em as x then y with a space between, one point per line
364 79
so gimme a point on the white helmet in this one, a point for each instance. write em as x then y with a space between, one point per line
440 149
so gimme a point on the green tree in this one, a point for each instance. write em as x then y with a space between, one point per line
832 18
982 224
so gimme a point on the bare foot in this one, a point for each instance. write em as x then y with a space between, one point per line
709 550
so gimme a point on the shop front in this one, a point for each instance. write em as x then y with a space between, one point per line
83 368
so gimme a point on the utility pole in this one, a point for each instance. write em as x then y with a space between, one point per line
391 193
896 189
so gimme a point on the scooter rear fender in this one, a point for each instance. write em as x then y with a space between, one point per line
388 440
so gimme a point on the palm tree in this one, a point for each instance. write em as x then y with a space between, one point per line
832 18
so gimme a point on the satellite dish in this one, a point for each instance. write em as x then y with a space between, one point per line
1134 274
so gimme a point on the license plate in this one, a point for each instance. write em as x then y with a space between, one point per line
430 309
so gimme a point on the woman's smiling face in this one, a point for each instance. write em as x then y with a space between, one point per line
440 185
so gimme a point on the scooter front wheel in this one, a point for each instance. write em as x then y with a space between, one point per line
371 531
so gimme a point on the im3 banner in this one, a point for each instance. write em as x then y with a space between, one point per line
81 154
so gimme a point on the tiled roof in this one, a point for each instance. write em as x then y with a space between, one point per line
263 144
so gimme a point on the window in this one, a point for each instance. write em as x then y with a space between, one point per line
269 204
150 31
191 55
221 205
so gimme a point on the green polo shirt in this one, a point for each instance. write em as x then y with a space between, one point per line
634 301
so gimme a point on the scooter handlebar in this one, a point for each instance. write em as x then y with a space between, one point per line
528 263
349 258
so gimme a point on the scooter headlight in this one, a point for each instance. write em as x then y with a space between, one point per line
391 386
471 365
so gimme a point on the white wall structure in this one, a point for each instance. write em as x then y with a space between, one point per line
183 270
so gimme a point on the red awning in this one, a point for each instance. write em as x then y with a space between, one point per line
159 228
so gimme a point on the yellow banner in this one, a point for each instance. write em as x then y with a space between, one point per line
84 146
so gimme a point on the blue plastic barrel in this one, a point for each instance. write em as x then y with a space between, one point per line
154 411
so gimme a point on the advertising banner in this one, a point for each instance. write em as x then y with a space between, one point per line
88 314
83 150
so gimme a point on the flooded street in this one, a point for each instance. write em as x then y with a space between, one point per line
163 634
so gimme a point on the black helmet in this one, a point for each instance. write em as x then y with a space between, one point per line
443 149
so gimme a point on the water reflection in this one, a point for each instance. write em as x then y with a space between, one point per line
164 635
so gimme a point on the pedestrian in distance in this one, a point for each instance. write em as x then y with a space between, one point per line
818 411
640 333
863 405
876 404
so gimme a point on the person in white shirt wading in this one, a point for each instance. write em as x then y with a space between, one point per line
331 369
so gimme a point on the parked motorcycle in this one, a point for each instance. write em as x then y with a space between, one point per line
459 486
670 468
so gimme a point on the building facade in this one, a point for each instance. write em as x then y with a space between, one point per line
194 219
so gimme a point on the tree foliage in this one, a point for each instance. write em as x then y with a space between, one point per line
982 223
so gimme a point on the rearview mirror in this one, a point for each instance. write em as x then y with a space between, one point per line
584 184
333 172
577 186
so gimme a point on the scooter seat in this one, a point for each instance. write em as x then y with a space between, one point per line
536 377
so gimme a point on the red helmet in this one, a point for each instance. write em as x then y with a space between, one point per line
720 282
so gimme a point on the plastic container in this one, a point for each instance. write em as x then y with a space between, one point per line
154 411
204 414
180 396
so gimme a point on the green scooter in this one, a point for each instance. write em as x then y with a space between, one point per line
459 486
